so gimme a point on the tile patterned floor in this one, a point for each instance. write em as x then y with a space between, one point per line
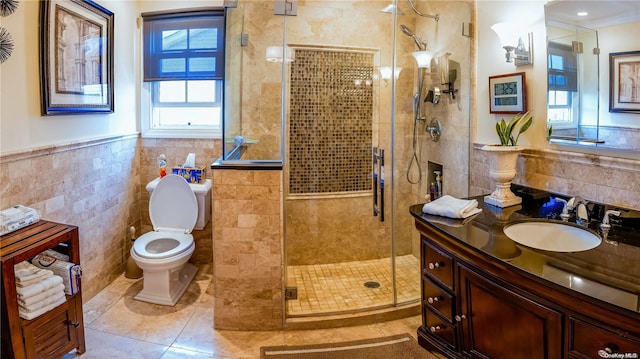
117 326
340 287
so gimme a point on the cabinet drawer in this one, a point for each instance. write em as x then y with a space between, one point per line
587 340
436 264
51 334
437 299
440 328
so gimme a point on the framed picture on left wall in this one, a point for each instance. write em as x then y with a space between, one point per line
76 57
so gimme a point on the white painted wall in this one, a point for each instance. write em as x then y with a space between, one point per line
22 127
620 38
490 61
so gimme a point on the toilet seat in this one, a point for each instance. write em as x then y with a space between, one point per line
173 205
162 244
173 209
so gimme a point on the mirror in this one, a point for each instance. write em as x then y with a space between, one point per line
572 74
578 72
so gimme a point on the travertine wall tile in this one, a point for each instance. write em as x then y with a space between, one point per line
93 185
247 249
597 178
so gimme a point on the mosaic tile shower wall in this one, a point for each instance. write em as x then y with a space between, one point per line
330 132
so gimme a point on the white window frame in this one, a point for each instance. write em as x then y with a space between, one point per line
147 128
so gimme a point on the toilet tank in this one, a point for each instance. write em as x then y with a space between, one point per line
203 195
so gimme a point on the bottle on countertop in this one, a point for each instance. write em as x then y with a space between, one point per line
162 165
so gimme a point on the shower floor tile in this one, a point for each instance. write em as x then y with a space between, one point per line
340 287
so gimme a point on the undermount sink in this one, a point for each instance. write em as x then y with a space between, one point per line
552 236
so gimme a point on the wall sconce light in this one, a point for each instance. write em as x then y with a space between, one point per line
423 58
385 73
517 51
275 54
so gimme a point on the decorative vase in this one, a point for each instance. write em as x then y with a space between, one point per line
502 169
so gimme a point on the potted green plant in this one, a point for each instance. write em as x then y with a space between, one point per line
505 129
503 159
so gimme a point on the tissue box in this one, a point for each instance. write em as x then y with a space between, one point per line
191 174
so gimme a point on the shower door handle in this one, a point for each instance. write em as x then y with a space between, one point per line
374 178
381 183
378 182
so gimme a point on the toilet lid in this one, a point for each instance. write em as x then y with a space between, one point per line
173 205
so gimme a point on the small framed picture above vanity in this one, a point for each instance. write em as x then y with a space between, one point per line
507 93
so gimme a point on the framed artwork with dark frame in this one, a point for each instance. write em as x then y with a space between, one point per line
76 57
507 93
624 82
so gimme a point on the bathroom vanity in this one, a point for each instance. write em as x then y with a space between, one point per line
58 331
485 296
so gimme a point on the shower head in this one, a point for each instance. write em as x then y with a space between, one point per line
389 9
421 45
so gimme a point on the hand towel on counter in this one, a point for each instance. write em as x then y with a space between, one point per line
27 273
27 301
33 289
448 206
30 315
451 222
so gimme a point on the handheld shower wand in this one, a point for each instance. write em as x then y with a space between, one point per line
422 45
417 113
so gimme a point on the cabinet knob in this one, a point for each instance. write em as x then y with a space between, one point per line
75 324
435 328
604 353
434 265
460 317
432 300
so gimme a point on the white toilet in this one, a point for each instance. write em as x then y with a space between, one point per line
175 208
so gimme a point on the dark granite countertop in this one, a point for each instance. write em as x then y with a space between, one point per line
609 272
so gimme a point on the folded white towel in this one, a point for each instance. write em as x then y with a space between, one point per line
448 206
27 273
37 313
34 307
27 301
33 289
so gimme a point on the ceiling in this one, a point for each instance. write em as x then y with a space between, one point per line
601 13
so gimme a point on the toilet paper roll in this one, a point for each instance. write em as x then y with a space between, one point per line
190 161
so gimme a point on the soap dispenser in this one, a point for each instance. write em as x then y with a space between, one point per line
162 165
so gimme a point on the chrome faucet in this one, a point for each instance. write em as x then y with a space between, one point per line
605 220
577 205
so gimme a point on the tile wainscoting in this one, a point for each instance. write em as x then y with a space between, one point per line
597 178
92 184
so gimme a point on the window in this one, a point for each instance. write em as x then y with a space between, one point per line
183 73
563 83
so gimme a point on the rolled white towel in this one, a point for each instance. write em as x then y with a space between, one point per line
33 289
27 301
27 273
448 206
31 315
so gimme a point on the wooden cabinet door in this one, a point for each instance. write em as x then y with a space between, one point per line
499 323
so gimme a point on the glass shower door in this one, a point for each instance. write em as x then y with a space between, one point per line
338 245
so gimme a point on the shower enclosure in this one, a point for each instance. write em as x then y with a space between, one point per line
349 138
